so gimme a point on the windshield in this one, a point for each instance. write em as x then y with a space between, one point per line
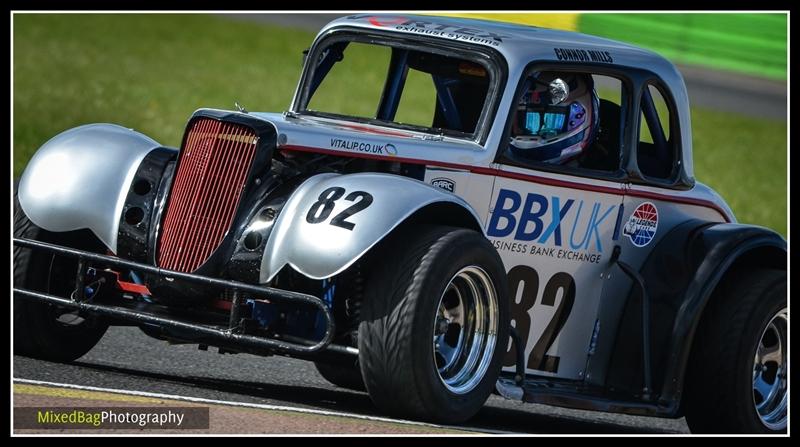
399 86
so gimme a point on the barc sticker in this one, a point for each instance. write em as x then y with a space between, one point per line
444 183
642 225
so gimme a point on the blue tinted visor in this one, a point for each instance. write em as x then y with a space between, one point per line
546 122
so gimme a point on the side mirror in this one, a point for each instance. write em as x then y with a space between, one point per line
559 91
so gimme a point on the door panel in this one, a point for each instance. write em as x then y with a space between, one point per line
555 241
644 222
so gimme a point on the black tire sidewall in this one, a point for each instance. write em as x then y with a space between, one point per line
771 301
37 333
466 250
719 388
451 249
342 375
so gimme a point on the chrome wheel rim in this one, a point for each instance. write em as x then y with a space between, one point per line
770 373
465 330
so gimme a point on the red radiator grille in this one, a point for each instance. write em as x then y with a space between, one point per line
212 169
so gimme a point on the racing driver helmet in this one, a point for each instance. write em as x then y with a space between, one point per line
556 117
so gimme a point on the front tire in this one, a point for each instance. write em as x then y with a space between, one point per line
343 376
434 324
42 330
738 372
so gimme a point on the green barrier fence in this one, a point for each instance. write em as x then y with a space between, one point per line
753 44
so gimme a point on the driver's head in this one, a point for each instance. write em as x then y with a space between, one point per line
547 130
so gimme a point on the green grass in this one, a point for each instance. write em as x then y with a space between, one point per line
744 160
363 73
745 42
150 72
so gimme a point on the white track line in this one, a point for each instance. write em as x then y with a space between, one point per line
253 405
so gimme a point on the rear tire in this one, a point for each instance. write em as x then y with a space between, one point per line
738 374
41 330
344 376
434 324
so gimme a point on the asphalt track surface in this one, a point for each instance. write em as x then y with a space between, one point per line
126 359
710 89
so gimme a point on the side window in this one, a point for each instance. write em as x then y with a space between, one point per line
567 119
657 151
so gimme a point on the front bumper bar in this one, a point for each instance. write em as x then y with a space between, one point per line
228 337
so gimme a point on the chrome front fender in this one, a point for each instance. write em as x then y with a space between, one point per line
319 249
80 178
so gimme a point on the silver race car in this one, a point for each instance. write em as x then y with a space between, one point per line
513 211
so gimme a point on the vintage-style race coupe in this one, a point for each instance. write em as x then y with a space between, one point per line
508 209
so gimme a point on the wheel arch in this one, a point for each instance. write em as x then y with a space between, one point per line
682 274
318 249
442 213
80 178
763 250
719 251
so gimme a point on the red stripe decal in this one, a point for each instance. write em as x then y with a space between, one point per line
374 131
518 176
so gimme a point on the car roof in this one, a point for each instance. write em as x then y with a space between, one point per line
518 43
